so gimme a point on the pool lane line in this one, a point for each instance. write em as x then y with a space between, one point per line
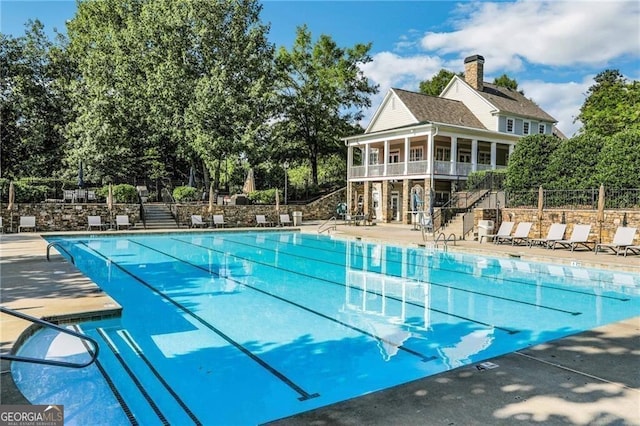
124 334
507 330
464 290
133 377
112 387
495 276
304 395
423 357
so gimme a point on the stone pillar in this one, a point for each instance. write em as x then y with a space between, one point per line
405 206
366 198
384 199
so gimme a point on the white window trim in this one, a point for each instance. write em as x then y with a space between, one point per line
526 127
413 153
542 126
444 150
374 156
513 125
394 153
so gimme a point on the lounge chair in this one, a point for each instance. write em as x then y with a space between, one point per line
285 220
94 222
622 239
627 249
27 222
196 221
261 220
579 237
218 221
521 234
121 221
1 227
504 231
556 233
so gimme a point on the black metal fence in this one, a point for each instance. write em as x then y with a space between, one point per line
586 199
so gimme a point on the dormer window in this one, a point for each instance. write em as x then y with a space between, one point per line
510 125
542 128
526 128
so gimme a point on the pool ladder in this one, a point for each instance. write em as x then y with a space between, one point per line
59 247
442 237
328 225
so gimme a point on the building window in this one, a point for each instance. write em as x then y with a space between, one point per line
415 154
510 124
484 157
374 156
526 126
443 153
464 156
542 128
394 156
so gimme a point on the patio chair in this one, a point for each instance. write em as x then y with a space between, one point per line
504 231
68 195
622 239
521 234
27 222
627 249
196 221
556 233
218 221
261 220
94 222
123 221
579 237
285 220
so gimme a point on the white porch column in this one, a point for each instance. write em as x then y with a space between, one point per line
474 155
367 154
349 160
511 148
454 154
493 155
385 157
430 153
407 147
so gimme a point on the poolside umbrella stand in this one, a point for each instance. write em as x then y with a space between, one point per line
211 201
600 214
12 200
249 183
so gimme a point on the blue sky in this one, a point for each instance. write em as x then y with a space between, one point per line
552 48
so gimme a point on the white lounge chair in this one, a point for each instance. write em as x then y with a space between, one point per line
261 220
94 222
556 233
622 239
285 220
627 249
579 237
218 221
196 221
504 231
27 222
521 234
122 221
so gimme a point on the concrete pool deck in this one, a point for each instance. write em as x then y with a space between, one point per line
588 378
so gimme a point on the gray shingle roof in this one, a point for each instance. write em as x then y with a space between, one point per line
440 110
511 101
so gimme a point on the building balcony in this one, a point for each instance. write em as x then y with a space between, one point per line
444 169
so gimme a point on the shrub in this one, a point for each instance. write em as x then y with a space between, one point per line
123 193
265 196
185 193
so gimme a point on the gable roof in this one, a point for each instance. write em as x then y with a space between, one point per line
427 108
511 101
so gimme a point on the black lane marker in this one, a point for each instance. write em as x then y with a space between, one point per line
479 293
304 395
112 386
424 358
125 334
419 305
131 374
488 276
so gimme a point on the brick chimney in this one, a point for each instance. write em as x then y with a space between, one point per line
474 71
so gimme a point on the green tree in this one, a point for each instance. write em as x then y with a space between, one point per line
619 162
526 168
32 105
505 81
321 93
436 85
574 164
612 105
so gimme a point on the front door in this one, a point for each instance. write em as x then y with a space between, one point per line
395 206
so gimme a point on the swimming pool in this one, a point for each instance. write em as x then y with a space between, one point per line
244 328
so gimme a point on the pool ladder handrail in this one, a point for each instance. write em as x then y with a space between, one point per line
327 225
60 248
47 324
445 239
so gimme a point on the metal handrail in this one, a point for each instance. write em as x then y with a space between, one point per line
61 248
333 226
93 352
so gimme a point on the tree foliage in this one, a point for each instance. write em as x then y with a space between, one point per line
526 168
321 92
619 161
507 82
612 105
436 85
573 165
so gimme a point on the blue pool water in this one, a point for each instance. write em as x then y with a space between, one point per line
236 328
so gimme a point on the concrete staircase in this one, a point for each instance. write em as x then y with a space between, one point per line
158 216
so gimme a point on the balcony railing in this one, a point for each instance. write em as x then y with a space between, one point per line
417 168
